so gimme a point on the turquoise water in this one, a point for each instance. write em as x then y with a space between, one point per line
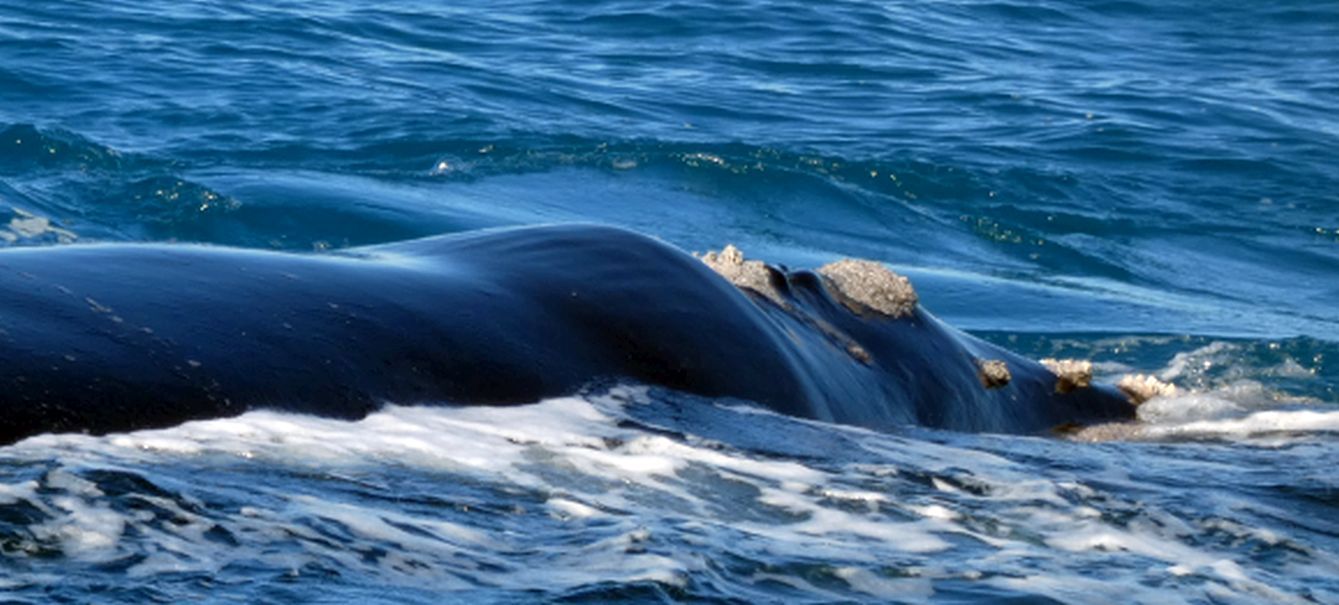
1150 185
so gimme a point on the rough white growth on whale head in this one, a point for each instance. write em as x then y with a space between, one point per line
994 373
1070 374
1143 387
746 274
865 284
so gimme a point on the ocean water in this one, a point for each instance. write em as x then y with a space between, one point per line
1151 185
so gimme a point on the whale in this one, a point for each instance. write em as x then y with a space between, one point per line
117 337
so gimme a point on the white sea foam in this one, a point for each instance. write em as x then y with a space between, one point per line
1220 399
1258 423
12 493
889 519
87 530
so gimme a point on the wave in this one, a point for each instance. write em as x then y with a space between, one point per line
643 492
1231 390
914 212
76 188
26 149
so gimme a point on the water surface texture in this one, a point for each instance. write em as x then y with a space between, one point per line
1151 185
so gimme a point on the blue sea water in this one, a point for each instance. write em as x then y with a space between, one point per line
1151 185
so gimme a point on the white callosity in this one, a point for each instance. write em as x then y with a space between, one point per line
1070 374
994 373
861 285
750 275
1142 387
867 285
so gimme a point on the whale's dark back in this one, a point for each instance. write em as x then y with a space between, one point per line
176 333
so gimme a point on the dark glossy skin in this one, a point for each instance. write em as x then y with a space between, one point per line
108 338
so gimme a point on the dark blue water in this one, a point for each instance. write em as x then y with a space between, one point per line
1152 185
